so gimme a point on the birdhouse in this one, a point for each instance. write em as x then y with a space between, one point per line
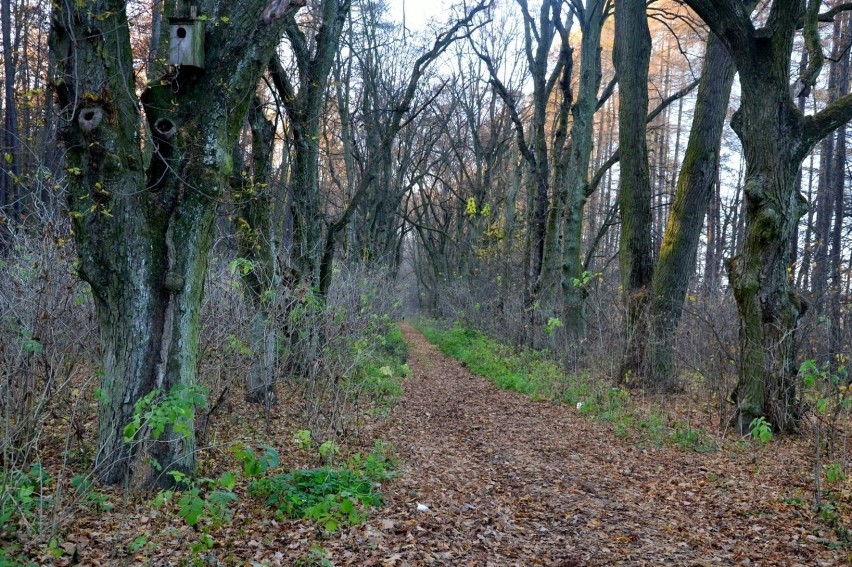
186 41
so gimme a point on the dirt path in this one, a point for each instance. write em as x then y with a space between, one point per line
509 481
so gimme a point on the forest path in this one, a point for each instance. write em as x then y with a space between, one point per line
511 481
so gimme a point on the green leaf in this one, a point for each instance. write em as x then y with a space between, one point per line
32 346
137 544
191 507
228 480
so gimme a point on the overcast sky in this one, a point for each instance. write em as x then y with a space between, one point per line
417 12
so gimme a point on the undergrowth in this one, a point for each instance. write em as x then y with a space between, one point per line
533 374
330 496
380 376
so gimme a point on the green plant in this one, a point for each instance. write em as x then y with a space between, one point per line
326 495
255 465
175 409
691 439
328 449
553 323
834 473
331 497
761 429
585 279
22 497
137 544
83 486
201 499
653 429
380 375
302 439
10 556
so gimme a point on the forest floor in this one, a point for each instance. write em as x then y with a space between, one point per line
490 478
510 481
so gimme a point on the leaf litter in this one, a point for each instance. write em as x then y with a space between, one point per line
492 478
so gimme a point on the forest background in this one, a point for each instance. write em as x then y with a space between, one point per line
201 202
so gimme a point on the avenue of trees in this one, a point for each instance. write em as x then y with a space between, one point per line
656 192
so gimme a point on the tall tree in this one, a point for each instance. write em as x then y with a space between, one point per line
632 55
143 210
304 98
540 34
259 230
573 169
10 172
676 261
776 137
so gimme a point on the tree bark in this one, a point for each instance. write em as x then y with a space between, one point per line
678 252
576 176
631 56
143 211
304 102
776 138
258 242
10 172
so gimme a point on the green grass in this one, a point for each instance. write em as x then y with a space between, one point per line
533 374
524 372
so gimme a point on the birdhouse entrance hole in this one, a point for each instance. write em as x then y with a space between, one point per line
186 41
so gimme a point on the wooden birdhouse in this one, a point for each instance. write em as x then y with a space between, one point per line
186 41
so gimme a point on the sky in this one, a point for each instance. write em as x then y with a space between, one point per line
417 12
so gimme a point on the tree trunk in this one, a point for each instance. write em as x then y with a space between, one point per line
258 241
304 102
577 174
769 126
776 137
143 211
10 173
678 252
632 53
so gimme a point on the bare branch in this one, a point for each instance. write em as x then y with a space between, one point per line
616 155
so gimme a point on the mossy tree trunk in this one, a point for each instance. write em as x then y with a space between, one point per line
676 261
631 56
143 210
776 137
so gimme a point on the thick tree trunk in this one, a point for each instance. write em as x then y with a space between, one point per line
143 211
776 138
631 57
676 263
769 309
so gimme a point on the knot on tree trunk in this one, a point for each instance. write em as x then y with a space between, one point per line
165 128
90 118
